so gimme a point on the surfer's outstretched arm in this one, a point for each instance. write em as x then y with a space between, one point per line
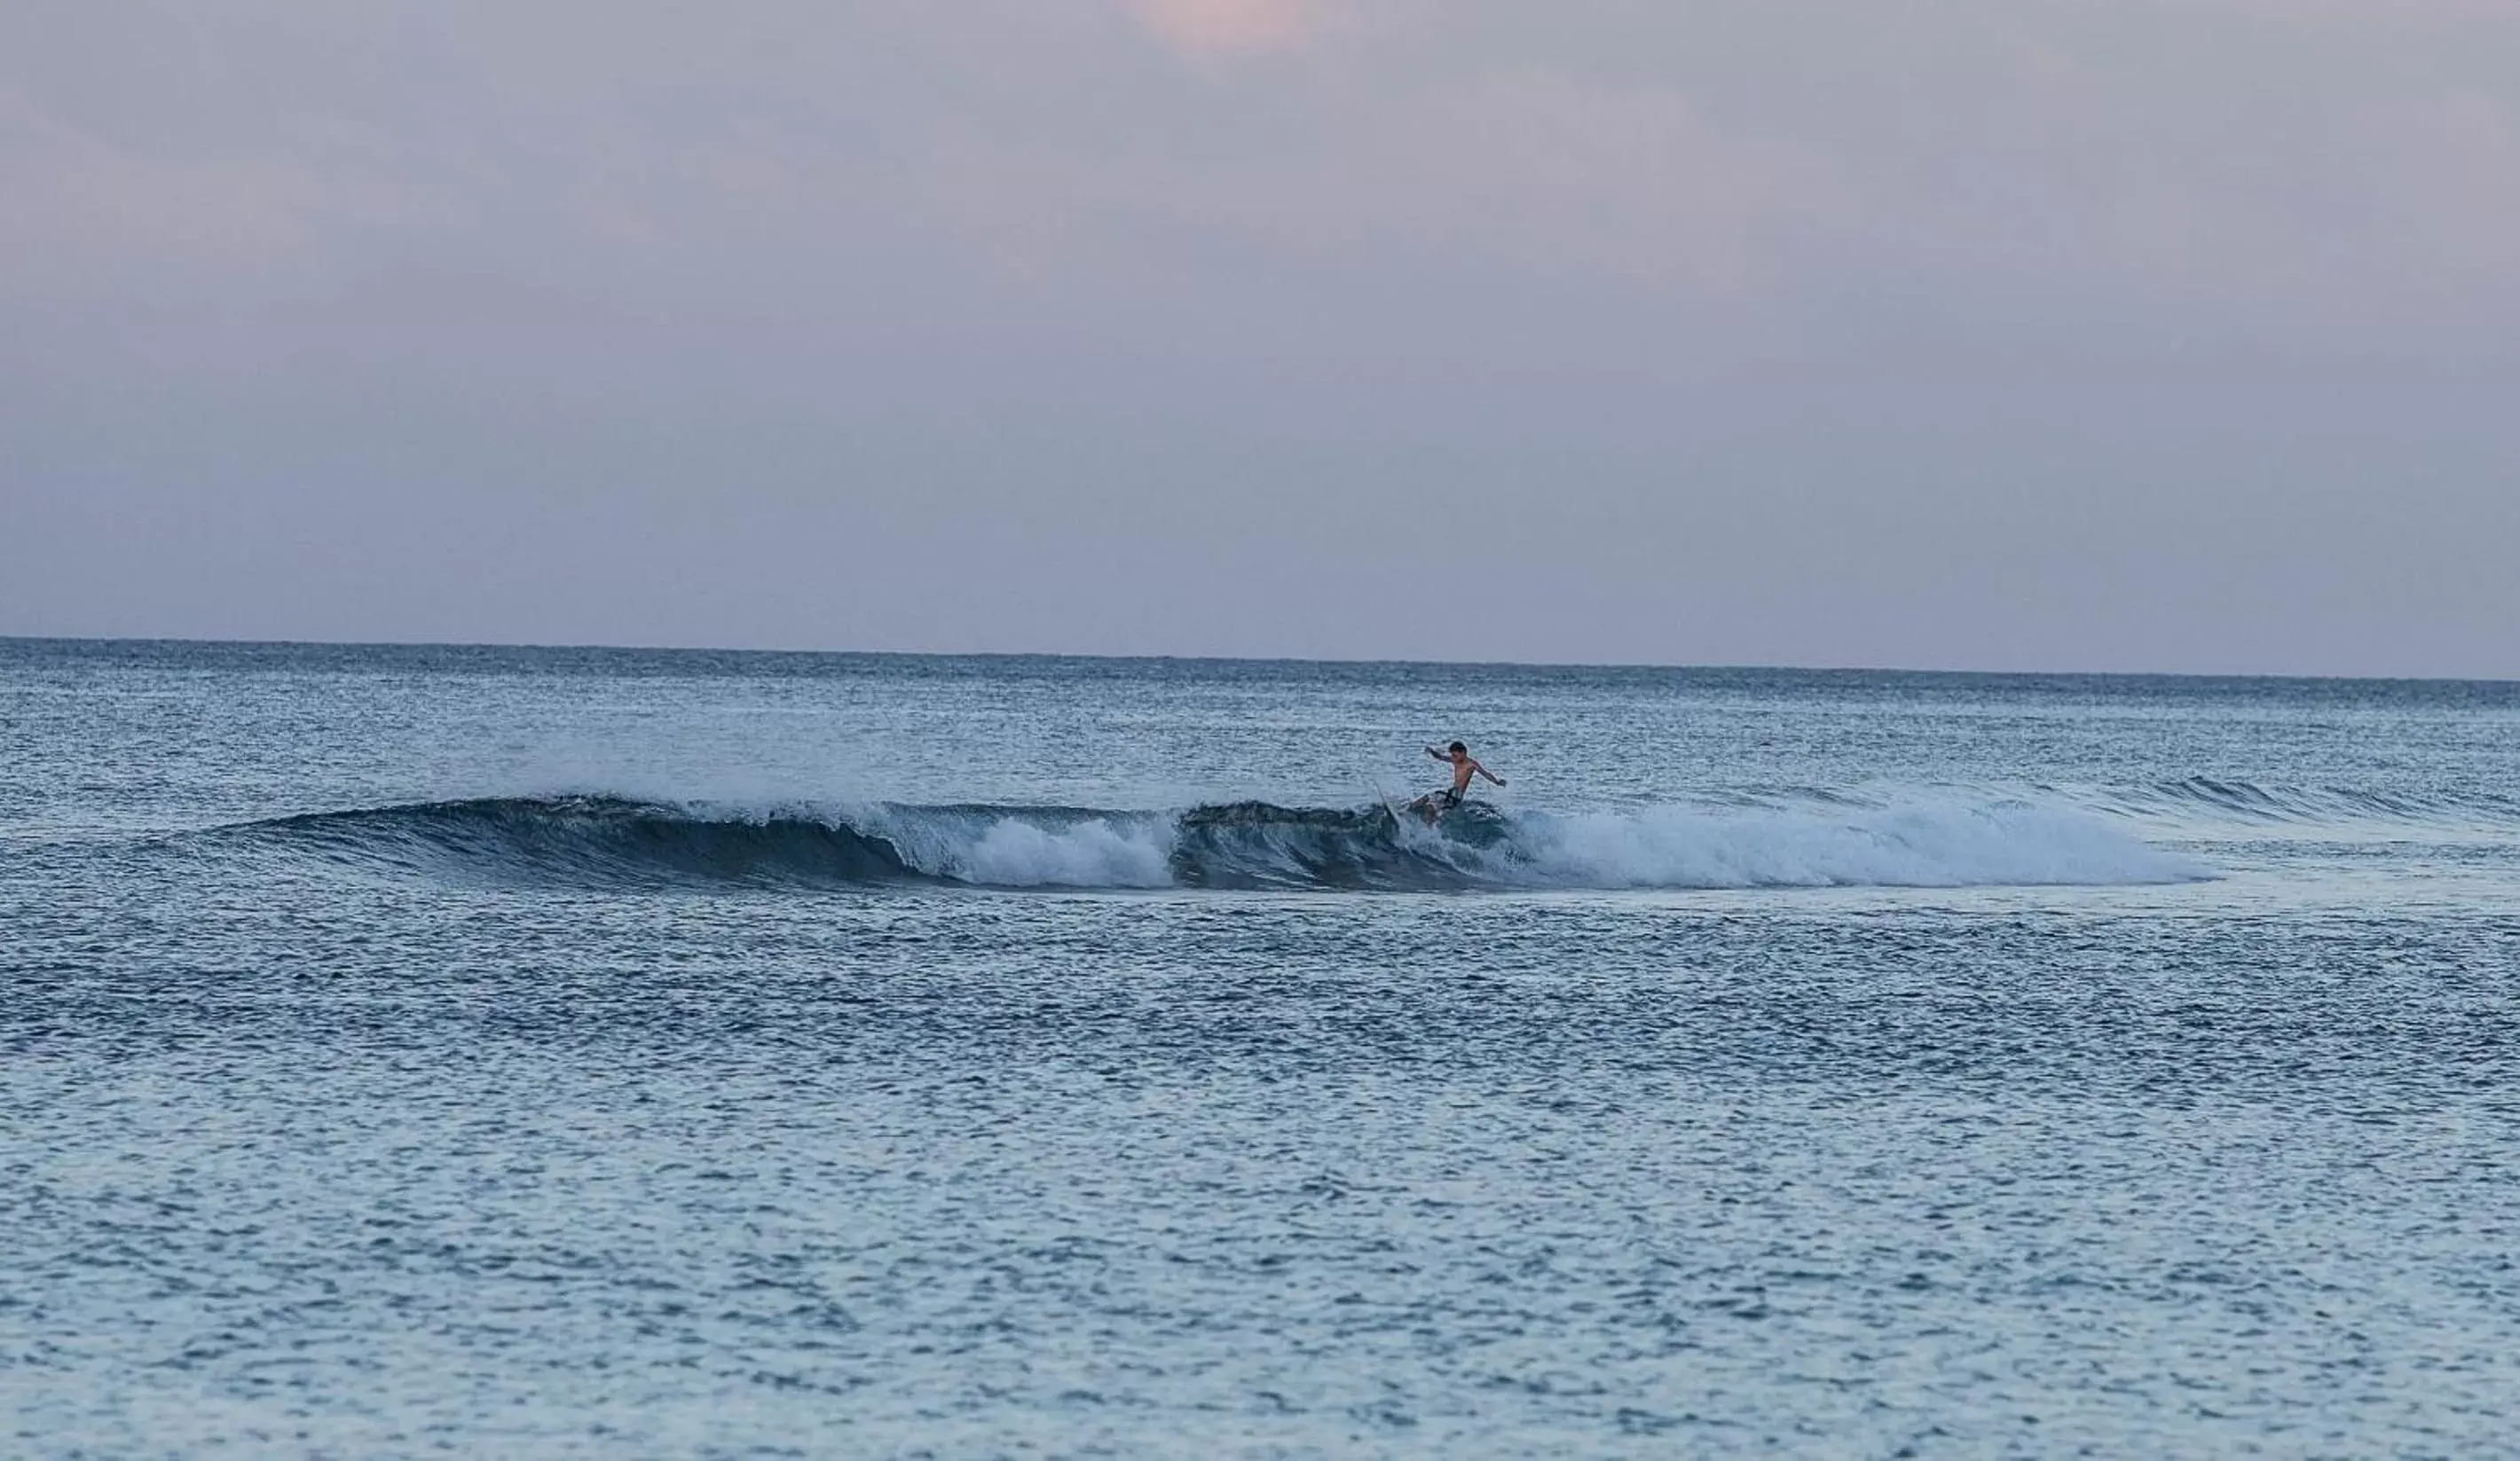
1484 771
1438 755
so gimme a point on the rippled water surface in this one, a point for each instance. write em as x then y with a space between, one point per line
594 1052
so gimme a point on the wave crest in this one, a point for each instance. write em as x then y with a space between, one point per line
614 842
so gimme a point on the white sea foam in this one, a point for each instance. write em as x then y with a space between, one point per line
1011 853
1924 846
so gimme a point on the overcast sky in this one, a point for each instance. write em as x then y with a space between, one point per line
2147 335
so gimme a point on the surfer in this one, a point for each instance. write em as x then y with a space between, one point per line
1457 757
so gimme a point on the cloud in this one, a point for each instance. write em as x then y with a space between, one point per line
2051 179
1743 313
74 195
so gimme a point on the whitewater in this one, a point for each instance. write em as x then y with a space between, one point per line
587 1052
600 839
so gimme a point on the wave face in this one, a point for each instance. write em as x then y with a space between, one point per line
602 841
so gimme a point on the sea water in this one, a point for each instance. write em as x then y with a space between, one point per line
560 1053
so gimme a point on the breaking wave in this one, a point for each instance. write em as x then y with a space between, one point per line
604 841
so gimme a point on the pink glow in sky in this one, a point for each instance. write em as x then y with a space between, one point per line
1225 27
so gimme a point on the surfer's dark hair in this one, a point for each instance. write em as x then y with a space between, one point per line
1458 746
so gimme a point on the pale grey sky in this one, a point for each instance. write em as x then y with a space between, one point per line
2175 335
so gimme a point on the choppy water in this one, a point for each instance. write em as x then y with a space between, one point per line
553 1052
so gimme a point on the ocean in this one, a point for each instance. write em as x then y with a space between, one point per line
604 1052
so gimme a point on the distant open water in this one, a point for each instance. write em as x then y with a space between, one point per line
537 1052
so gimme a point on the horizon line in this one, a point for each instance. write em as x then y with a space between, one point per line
1243 659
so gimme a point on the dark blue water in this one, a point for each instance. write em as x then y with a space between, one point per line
598 1052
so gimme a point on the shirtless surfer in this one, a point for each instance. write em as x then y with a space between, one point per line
1457 757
